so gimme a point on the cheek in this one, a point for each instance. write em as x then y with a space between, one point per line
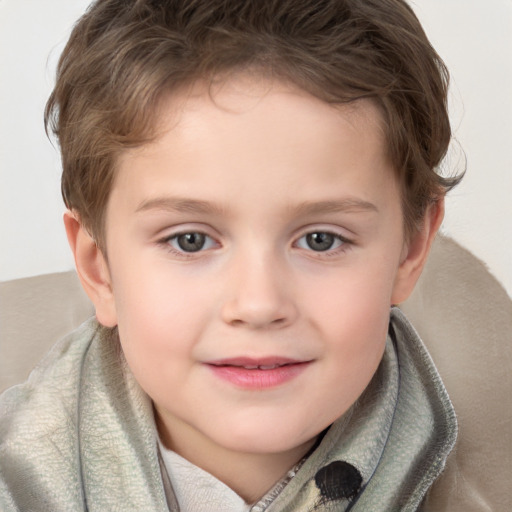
162 313
353 316
355 295
153 317
157 338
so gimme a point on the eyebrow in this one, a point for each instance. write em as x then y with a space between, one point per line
178 204
345 205
185 205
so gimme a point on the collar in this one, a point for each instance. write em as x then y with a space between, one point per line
385 453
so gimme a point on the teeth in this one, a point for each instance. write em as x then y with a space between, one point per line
261 367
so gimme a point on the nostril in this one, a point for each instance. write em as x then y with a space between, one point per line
260 307
260 323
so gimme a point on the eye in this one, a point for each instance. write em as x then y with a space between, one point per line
320 241
191 242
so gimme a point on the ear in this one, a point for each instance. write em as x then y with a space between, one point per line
92 270
416 253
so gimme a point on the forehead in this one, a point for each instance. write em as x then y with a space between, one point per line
236 98
256 133
252 93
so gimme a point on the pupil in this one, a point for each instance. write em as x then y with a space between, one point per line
320 241
191 242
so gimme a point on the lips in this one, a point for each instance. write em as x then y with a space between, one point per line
265 363
260 373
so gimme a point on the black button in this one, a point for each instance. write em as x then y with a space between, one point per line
338 480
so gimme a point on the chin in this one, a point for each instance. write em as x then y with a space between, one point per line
265 439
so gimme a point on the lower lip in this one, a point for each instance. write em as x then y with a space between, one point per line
258 379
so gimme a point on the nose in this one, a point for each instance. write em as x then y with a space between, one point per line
259 295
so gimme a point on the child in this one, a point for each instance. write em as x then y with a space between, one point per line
251 185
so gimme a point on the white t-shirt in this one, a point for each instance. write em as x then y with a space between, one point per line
197 490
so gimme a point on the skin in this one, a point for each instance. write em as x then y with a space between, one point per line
255 166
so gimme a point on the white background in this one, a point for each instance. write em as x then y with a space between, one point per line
473 36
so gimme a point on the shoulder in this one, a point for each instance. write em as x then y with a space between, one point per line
52 380
50 388
38 418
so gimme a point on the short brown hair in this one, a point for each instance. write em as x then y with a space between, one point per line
124 55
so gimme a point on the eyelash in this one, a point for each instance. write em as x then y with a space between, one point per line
167 243
343 243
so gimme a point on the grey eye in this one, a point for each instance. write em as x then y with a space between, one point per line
189 242
320 241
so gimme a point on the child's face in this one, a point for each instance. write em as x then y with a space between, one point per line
254 251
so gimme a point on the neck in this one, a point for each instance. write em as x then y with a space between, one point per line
250 475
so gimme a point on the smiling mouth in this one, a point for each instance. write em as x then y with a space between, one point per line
258 373
261 366
266 363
